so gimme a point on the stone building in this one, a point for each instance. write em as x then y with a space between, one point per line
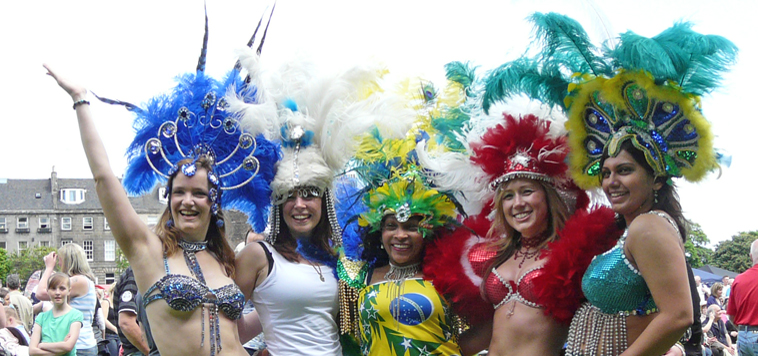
54 212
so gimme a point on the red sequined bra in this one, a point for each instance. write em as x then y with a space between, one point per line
501 291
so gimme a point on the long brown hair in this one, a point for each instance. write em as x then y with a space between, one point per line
510 239
286 244
218 245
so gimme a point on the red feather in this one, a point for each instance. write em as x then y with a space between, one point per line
585 235
529 135
444 267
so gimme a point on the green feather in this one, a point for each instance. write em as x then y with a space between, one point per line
539 81
463 73
565 43
694 61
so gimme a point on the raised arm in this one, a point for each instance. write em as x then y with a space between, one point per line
130 232
656 249
49 260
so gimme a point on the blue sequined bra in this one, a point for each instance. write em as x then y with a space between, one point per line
184 293
615 290
614 285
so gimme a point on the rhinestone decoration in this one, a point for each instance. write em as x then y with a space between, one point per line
189 169
230 125
246 141
222 105
168 129
209 100
668 107
213 194
297 133
153 145
593 119
213 178
250 163
183 114
403 213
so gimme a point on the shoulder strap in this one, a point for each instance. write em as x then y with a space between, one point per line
269 257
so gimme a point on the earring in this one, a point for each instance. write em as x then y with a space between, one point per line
170 223
381 246
655 196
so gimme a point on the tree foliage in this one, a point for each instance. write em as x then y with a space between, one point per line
25 262
697 253
733 255
121 262
5 264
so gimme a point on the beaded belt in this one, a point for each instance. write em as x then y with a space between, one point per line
748 327
593 332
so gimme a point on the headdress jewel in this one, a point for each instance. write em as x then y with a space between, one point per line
195 121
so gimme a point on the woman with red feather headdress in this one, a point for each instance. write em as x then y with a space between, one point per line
525 262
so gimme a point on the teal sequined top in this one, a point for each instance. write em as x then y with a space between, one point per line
615 286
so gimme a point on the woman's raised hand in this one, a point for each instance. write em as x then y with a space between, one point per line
77 92
50 260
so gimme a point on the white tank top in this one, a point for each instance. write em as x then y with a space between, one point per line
297 310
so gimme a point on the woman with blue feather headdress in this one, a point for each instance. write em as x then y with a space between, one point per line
635 123
192 140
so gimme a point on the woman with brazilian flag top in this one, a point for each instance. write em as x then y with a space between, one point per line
385 302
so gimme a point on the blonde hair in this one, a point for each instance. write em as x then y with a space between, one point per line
74 261
10 312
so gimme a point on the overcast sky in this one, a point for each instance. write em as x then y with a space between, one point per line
131 50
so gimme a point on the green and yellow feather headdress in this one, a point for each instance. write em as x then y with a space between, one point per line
643 90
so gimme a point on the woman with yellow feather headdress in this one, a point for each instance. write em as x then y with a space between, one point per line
634 122
385 302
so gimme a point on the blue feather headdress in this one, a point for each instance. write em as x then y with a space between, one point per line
195 120
643 90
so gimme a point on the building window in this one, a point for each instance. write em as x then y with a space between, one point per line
72 196
162 197
110 250
106 226
110 278
22 222
88 249
65 242
44 223
152 220
2 244
23 245
87 223
44 243
66 224
3 225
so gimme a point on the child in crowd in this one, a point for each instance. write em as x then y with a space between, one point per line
13 338
55 331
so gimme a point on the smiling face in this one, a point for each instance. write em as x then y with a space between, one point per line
403 242
525 206
190 205
302 214
628 185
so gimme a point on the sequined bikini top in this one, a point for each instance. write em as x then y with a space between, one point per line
615 286
501 291
185 293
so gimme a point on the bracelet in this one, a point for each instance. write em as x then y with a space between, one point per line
80 102
680 347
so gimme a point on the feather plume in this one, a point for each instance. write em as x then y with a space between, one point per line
538 81
566 44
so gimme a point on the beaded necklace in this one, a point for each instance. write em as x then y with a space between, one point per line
189 249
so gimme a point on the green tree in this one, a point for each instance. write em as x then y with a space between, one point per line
733 255
27 261
695 248
121 262
5 264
